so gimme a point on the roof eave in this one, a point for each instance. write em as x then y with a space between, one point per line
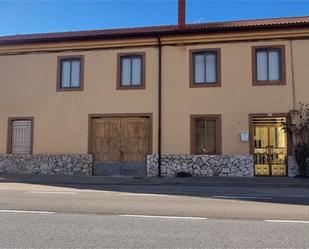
176 31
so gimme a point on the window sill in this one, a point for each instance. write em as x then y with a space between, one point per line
268 83
194 85
72 89
141 87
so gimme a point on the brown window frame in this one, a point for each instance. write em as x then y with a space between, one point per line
60 59
192 52
120 56
9 132
282 80
218 119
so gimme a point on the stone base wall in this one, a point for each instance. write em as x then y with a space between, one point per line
46 164
202 165
293 169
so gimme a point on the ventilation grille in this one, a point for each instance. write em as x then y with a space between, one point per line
21 137
269 120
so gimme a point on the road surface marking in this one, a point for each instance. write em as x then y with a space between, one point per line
51 192
26 212
141 194
288 221
242 197
162 217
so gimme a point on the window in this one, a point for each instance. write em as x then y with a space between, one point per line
70 73
268 65
131 71
205 134
20 135
205 68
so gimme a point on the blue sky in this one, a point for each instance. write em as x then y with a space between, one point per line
20 17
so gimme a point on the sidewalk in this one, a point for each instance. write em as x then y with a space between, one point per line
263 182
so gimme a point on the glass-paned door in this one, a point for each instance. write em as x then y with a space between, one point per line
270 146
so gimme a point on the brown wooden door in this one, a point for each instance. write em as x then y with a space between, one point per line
120 140
106 139
134 140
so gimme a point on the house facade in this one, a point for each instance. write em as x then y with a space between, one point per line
208 99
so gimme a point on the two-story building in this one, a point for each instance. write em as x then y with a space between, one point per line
208 99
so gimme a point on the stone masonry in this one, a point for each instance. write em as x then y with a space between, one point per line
79 164
293 169
202 165
210 165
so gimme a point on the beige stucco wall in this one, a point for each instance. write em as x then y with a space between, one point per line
234 100
28 88
301 72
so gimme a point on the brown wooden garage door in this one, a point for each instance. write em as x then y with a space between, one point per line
119 141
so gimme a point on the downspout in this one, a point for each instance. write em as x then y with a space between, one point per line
159 102
291 143
293 75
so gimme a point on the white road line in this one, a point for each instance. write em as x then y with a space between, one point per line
140 194
162 217
242 197
288 221
52 192
26 212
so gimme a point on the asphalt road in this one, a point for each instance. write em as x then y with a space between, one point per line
38 216
210 202
100 231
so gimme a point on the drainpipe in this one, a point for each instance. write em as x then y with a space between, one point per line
293 74
159 102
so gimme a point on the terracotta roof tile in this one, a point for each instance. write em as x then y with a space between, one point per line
153 30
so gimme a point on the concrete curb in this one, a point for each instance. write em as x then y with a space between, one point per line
191 181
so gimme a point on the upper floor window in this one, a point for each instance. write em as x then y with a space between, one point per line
268 66
70 73
131 71
205 134
205 68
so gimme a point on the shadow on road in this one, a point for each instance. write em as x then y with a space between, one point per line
260 190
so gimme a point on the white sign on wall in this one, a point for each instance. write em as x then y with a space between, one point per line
244 136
